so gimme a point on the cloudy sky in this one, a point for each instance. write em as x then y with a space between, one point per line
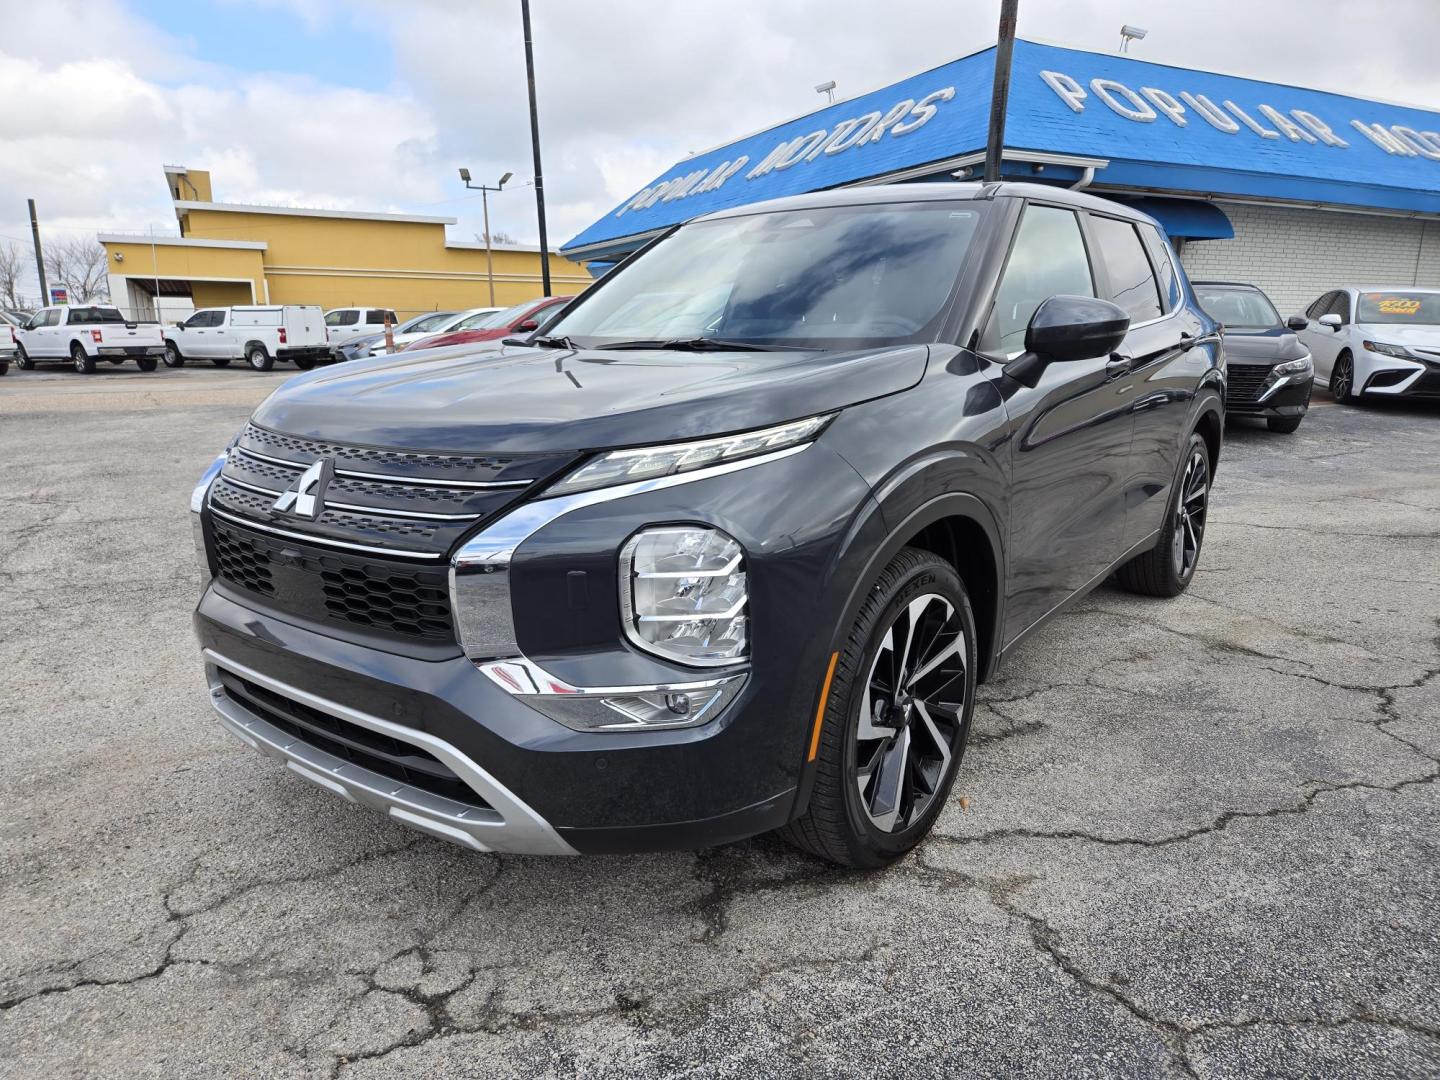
373 104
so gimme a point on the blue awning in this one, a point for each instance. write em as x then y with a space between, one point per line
1188 218
599 267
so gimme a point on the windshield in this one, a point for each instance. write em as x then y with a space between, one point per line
831 278
1243 307
479 321
1399 307
421 324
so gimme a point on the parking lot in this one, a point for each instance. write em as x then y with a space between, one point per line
1191 838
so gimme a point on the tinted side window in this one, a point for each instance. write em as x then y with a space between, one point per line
1164 266
196 320
1341 306
1132 282
1048 258
52 317
375 318
217 318
1319 307
348 318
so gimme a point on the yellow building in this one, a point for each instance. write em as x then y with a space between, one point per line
228 253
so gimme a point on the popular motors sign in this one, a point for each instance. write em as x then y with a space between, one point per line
849 136
1149 104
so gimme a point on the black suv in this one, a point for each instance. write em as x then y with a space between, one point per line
728 547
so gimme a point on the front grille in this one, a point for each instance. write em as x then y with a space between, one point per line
478 468
389 598
1245 382
373 750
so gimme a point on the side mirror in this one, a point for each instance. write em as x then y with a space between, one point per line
1332 321
1066 328
528 325
1297 322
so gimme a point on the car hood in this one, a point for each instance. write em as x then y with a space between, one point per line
517 399
1272 345
1419 336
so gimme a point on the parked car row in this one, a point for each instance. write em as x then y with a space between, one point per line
259 334
1361 340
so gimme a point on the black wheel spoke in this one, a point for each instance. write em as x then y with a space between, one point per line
912 709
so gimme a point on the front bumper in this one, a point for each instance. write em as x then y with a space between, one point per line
1248 394
733 776
501 823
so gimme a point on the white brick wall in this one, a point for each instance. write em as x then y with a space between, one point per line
1295 255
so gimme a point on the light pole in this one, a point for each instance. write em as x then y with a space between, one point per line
535 146
485 207
1000 90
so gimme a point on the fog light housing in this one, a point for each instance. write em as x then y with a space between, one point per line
683 594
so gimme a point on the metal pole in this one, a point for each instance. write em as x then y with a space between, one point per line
535 145
39 258
489 266
1000 91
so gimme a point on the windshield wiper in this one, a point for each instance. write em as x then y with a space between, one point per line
547 342
699 344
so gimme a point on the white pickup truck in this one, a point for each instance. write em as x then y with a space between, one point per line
260 334
84 334
8 326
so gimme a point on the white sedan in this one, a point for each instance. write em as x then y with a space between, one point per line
1376 342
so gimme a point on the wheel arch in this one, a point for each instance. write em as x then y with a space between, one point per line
1210 425
961 529
253 343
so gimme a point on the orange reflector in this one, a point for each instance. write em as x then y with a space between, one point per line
820 711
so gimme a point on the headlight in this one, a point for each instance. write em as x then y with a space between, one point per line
1303 366
197 497
683 594
624 466
197 529
1387 350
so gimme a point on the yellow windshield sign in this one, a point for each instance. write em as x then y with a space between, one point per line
1394 305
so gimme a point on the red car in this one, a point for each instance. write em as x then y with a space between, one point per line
520 319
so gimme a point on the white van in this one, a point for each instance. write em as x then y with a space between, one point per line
260 334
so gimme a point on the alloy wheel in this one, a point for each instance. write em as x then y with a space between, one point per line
911 710
1190 514
1341 379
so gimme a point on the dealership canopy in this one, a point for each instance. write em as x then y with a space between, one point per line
1174 140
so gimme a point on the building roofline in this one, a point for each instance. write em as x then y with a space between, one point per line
477 245
147 240
304 211
1224 74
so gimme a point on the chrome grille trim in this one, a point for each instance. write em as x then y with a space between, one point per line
312 538
373 511
414 481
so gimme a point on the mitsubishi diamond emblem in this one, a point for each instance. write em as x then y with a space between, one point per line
306 497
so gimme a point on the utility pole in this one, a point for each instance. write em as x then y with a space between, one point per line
39 258
1000 91
535 145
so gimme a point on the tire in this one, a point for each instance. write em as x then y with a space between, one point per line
220 361
1342 379
4 367
848 820
258 358
1284 425
147 363
304 363
22 359
1168 568
172 355
83 361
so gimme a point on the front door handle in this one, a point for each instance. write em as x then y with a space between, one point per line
1117 365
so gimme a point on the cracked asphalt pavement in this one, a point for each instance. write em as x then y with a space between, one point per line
1198 837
